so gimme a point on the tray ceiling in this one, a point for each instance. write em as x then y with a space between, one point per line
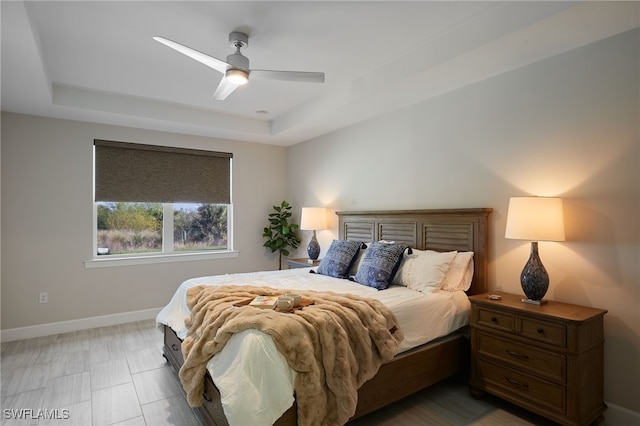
96 60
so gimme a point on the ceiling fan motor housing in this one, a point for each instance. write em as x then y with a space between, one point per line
238 40
238 60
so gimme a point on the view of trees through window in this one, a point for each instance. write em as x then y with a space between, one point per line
200 227
127 228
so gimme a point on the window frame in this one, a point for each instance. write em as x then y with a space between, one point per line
167 255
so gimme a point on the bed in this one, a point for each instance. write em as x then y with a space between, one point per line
416 365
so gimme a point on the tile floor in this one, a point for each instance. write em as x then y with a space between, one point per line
104 376
117 376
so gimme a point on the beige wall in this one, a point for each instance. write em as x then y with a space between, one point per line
566 126
47 190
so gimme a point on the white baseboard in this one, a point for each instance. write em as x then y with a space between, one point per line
617 415
76 325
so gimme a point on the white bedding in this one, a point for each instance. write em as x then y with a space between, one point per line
254 380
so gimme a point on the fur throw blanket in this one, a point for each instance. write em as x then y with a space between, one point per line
334 345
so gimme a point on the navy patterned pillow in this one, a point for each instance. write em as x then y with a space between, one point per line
380 264
337 262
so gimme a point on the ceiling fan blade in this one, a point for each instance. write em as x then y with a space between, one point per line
302 76
225 88
203 58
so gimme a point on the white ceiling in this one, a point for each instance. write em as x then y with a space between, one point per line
96 61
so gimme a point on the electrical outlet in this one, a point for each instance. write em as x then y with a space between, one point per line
44 297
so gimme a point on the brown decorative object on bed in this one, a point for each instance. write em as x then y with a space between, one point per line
418 368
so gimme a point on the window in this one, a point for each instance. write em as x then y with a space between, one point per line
199 227
152 200
126 228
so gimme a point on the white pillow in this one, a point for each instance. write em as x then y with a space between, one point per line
424 271
460 273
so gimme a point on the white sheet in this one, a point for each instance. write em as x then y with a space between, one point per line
254 380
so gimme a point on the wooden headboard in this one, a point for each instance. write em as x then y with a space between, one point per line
440 230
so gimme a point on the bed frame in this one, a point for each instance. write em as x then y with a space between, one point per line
410 371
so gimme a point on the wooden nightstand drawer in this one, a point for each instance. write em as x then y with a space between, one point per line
496 319
514 385
536 361
543 331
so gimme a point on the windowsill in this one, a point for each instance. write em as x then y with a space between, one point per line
109 260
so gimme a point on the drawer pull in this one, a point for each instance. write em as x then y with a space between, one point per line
174 347
206 396
516 354
517 383
494 319
541 330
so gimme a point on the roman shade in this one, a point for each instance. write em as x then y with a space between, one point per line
130 172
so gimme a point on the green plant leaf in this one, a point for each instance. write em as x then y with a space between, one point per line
281 234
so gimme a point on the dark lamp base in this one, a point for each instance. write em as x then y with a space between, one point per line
534 277
313 249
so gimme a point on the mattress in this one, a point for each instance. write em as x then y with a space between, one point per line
254 380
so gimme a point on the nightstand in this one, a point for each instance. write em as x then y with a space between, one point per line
302 262
547 359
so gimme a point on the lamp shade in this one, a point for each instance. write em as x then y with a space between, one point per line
313 218
535 219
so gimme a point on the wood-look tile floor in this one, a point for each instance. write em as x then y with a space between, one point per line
117 376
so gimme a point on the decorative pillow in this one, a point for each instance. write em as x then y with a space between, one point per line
360 256
337 262
379 265
424 271
460 273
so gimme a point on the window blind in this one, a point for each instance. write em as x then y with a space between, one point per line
131 172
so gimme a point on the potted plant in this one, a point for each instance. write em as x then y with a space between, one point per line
281 234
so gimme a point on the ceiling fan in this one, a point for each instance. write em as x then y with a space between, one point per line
236 69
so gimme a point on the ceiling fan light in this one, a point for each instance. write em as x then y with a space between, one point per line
236 76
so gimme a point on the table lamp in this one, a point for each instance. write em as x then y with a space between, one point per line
535 219
313 218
